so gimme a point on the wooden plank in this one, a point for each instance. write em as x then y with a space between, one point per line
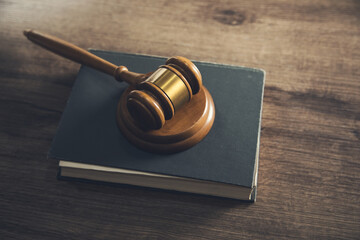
309 178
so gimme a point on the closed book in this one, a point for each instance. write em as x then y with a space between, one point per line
90 146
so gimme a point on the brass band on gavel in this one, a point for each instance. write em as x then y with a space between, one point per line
172 85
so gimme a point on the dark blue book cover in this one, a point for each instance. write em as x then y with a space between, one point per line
88 131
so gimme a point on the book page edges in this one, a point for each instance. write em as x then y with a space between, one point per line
145 179
256 168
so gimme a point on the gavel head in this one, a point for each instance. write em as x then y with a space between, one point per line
164 92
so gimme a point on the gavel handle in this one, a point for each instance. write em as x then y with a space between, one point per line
79 55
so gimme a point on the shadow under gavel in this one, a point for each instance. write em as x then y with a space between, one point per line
157 95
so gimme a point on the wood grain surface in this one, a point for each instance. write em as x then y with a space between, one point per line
309 175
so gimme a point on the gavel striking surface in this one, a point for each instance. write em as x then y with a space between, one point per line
188 127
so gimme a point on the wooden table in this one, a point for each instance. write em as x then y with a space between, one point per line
309 175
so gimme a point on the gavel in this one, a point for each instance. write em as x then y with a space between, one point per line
157 95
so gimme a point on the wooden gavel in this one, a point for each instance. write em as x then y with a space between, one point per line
157 95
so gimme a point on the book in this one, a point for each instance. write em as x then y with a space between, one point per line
90 146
